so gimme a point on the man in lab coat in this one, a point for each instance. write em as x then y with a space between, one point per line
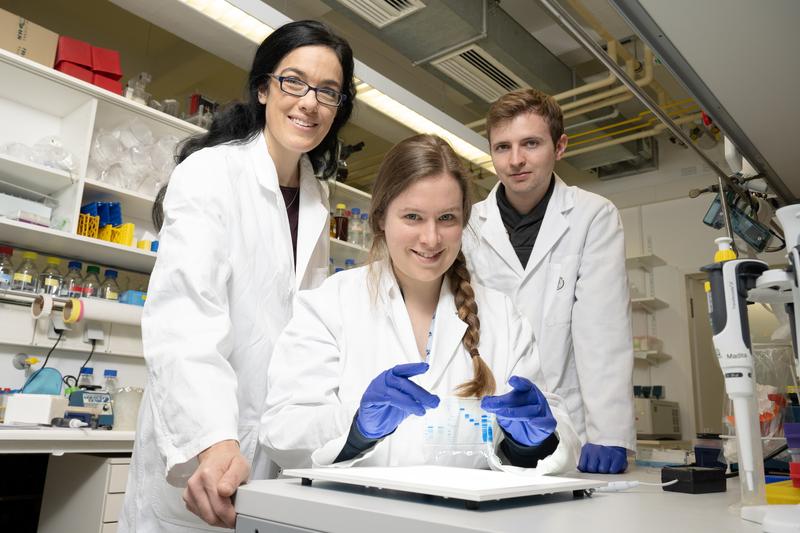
559 252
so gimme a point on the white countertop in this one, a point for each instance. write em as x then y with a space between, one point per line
64 440
339 508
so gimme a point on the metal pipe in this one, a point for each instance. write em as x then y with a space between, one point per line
613 114
462 44
600 105
632 137
572 26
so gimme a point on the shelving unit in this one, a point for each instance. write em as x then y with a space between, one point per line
351 197
36 102
646 305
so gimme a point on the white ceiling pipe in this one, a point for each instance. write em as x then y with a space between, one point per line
605 82
644 81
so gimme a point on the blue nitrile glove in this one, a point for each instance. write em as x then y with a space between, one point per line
599 459
390 398
523 413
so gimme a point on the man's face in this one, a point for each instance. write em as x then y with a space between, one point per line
524 155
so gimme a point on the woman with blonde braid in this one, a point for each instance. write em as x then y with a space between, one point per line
376 344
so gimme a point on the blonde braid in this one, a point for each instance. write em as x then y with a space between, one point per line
482 383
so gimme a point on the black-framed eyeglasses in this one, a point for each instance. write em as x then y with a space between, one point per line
297 87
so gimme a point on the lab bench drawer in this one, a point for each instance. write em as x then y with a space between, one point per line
109 528
113 507
118 478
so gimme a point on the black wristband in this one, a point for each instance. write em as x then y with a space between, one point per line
356 444
528 456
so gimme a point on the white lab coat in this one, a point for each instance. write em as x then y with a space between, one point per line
574 292
219 296
341 337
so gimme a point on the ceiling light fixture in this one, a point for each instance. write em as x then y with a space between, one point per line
243 23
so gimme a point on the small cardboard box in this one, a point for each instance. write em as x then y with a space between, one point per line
26 39
105 61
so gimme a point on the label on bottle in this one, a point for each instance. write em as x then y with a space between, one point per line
111 295
52 282
89 291
24 278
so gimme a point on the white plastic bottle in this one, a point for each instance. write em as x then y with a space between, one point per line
355 232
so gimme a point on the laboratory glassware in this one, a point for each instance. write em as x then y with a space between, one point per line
341 222
109 290
6 268
26 277
91 283
71 286
50 280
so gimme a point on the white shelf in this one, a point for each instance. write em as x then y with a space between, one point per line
350 196
134 204
652 357
60 243
648 304
341 250
33 176
59 78
646 262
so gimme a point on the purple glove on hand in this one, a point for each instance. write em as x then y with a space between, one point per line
599 459
523 413
390 398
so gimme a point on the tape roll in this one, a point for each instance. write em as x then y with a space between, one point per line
99 310
42 306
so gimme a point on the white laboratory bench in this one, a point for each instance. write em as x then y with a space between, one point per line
285 506
58 441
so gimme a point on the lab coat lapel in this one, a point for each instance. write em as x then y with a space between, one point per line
493 231
395 308
554 225
447 335
267 177
312 218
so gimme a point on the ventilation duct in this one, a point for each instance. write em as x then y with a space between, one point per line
381 13
617 161
507 58
475 69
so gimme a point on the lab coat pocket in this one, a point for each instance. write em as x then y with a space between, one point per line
559 291
169 508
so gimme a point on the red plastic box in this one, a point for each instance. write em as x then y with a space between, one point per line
794 474
73 51
113 85
76 71
105 61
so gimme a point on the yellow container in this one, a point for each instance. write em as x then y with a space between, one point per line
144 245
106 233
124 234
88 225
782 492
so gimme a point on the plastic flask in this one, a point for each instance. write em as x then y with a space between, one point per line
86 378
349 263
71 286
50 280
109 290
111 384
355 234
26 278
341 222
366 231
6 268
91 283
